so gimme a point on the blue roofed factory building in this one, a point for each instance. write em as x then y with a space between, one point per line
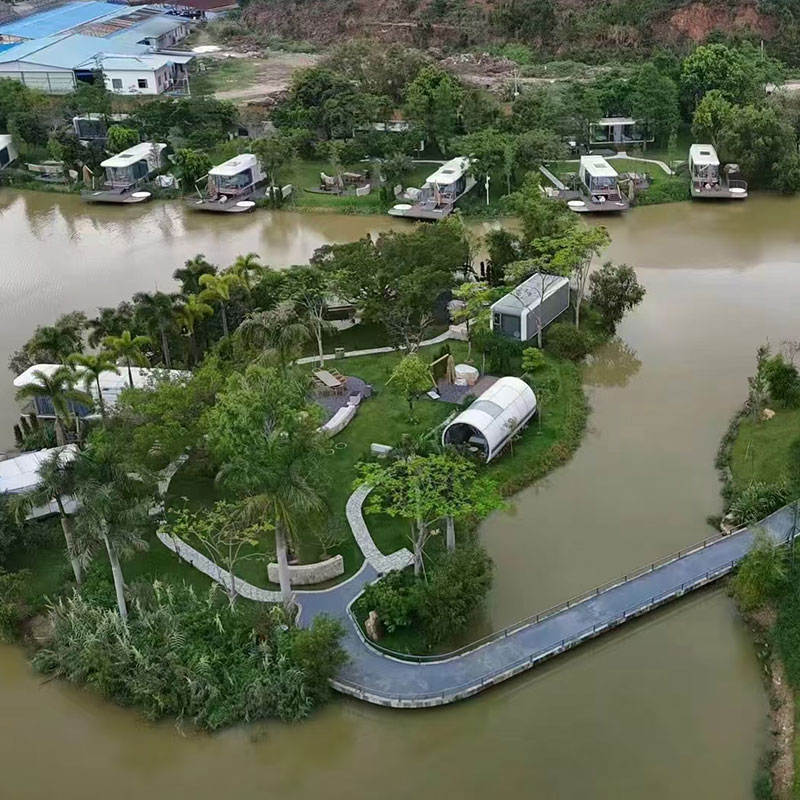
133 48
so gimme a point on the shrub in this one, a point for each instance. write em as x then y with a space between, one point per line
784 382
761 574
532 359
12 602
758 500
567 341
441 604
394 600
192 656
672 190
457 586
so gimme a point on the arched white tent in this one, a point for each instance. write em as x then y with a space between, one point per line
497 415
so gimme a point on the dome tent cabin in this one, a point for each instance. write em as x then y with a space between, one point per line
503 410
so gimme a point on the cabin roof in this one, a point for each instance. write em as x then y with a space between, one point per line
703 154
235 165
21 473
526 295
132 154
5 139
598 166
616 121
449 172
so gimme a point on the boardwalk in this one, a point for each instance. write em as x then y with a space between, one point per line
384 679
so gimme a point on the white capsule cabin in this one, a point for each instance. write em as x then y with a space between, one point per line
501 412
229 186
598 187
709 179
440 192
531 307
126 171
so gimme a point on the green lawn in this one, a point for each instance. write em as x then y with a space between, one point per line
218 75
761 449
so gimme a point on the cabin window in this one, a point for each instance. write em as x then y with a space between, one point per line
141 83
116 83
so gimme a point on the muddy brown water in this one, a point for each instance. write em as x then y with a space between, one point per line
670 707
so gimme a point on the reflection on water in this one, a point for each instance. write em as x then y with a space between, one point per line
613 364
669 708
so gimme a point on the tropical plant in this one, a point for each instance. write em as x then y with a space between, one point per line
56 484
193 311
128 348
246 267
307 288
217 289
13 590
113 509
92 367
157 311
59 388
264 434
189 274
756 501
277 331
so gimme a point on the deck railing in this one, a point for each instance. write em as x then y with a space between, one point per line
494 676
553 610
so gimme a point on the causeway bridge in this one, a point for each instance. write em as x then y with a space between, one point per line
382 677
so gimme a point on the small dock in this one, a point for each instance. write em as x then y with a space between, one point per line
116 196
232 206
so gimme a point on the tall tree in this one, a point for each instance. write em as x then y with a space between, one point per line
193 311
92 367
156 310
248 269
56 484
264 434
279 331
114 510
109 322
655 102
59 388
712 118
614 291
572 254
189 274
129 349
217 289
307 288
433 100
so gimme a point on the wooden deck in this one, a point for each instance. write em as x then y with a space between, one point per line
116 196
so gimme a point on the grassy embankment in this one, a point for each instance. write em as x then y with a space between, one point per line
760 452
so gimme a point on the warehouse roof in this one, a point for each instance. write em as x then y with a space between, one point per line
68 52
155 26
57 20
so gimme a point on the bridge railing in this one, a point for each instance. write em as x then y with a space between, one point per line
508 670
553 610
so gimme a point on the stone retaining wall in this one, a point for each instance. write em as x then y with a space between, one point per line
307 574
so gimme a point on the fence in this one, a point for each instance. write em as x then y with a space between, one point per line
468 688
556 609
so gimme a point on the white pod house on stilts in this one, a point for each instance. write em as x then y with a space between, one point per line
495 417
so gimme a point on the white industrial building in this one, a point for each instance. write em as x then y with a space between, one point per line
56 49
494 418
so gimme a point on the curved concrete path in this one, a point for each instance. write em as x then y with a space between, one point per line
383 679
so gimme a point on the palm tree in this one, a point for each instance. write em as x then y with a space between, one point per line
217 289
114 510
58 343
189 274
130 348
110 322
244 267
278 330
59 387
188 315
56 484
157 311
93 367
